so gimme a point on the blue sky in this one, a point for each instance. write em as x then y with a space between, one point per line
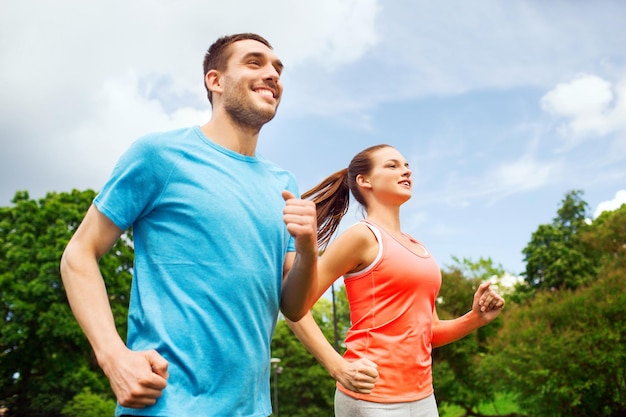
500 107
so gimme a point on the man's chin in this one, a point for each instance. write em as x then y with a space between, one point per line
266 114
252 117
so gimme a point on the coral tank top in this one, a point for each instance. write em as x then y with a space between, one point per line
391 310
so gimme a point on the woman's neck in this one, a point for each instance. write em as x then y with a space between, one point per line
387 218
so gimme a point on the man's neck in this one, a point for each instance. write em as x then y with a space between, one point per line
226 133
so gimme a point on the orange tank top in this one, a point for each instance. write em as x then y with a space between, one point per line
391 310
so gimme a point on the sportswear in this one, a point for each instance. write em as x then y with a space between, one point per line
391 310
210 243
346 406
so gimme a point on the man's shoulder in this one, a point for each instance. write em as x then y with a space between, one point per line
161 141
167 135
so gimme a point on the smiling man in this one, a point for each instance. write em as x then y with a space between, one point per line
216 230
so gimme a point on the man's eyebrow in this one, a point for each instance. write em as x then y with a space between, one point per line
277 63
253 55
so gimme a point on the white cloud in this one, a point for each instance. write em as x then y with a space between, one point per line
457 46
80 80
124 115
328 32
506 178
71 44
83 155
585 95
417 48
506 283
69 48
590 105
524 174
610 205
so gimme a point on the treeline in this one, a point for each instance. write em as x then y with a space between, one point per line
558 349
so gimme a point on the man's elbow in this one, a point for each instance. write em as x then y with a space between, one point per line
296 306
64 263
293 313
68 262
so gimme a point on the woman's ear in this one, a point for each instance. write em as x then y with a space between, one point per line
363 181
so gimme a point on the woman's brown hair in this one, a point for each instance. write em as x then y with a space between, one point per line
332 195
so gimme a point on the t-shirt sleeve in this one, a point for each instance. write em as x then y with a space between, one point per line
135 184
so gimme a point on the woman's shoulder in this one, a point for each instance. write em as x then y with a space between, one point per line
363 244
362 232
352 242
362 237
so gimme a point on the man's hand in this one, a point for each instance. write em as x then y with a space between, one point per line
137 378
301 220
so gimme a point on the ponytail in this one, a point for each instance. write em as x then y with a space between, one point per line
331 198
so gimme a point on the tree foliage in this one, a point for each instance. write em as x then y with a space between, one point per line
556 257
563 352
88 404
560 349
45 359
459 375
606 238
483 269
304 387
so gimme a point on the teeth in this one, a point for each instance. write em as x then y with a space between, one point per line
266 93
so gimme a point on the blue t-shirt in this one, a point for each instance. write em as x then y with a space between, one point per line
210 242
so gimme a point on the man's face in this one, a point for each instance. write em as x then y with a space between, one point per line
251 83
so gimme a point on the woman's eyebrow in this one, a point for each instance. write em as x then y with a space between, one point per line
397 161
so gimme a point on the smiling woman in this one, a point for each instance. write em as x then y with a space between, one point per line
392 281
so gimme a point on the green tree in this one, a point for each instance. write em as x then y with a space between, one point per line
459 376
45 359
483 269
341 311
556 257
607 237
88 404
305 389
564 352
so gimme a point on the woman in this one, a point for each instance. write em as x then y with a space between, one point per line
392 282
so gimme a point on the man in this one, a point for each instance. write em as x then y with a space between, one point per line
216 230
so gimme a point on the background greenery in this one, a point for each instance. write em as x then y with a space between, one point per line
558 349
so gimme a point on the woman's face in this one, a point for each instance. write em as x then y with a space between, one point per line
390 177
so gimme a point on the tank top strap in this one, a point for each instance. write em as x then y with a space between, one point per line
379 255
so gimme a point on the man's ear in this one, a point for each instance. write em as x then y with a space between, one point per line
213 81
